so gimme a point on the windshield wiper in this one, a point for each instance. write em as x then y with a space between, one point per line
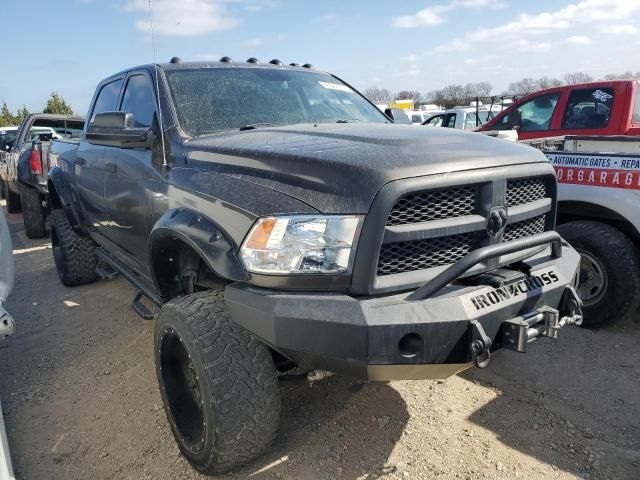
252 126
349 120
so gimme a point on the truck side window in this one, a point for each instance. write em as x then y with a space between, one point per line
107 98
450 122
588 108
139 99
532 116
636 106
435 121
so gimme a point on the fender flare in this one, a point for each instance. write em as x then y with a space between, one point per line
203 235
62 195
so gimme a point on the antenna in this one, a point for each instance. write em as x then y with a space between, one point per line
155 66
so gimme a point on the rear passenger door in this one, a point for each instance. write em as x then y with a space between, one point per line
131 172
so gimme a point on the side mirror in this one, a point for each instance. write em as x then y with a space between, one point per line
398 115
117 129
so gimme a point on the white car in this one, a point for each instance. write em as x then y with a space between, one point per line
454 118
463 118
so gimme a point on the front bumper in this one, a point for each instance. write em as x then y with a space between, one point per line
7 325
397 336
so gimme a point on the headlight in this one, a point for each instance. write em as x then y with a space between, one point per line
301 244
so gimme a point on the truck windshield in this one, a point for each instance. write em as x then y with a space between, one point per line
210 100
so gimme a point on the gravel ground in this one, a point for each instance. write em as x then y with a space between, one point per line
81 401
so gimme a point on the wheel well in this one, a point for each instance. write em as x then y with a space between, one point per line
172 261
53 196
572 211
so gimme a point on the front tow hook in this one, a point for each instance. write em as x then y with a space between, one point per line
480 347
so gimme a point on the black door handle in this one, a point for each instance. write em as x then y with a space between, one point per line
110 167
80 161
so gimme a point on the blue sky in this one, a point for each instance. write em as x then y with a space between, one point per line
70 45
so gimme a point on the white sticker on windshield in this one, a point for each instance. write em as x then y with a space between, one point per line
602 96
335 86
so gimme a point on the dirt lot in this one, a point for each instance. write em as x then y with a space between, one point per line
80 396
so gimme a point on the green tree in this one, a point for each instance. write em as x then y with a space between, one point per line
56 104
6 117
21 115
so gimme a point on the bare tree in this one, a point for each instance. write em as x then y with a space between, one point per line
378 95
455 95
577 77
530 85
622 76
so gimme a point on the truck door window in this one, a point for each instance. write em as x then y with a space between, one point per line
139 99
588 108
435 121
470 121
636 106
107 98
450 121
532 116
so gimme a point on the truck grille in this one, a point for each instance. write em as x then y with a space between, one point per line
526 228
441 245
435 205
526 190
403 257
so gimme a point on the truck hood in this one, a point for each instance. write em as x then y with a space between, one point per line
339 168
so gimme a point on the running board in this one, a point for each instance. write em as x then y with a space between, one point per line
143 290
140 308
106 271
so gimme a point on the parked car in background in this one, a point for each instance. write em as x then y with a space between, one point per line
311 233
460 118
596 108
7 135
417 117
24 172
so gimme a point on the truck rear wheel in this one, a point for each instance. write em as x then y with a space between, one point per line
218 383
74 255
609 271
12 197
33 213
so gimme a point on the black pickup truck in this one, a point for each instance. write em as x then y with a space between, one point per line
23 166
280 223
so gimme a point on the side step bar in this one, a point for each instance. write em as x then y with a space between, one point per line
143 290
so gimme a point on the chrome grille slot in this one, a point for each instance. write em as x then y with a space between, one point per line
525 190
408 256
525 228
417 207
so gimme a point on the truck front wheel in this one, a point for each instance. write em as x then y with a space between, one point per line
218 383
33 213
609 271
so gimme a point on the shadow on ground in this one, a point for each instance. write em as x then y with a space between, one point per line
555 401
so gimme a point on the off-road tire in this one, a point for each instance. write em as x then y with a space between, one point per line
33 213
74 254
620 259
233 370
12 198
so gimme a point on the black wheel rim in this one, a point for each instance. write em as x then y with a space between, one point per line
182 392
57 252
